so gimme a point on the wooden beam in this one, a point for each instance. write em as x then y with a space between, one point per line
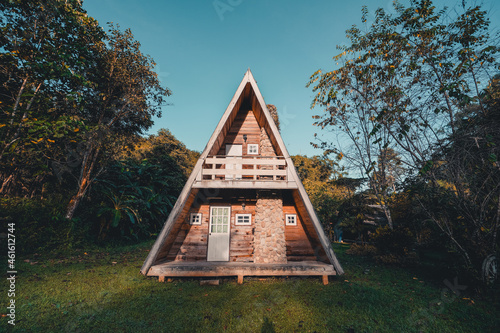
240 279
246 161
209 282
201 269
243 172
325 279
246 184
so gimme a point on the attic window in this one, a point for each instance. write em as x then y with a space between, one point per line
253 149
291 219
243 219
195 219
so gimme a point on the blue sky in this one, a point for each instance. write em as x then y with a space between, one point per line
203 48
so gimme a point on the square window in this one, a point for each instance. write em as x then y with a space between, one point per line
243 219
291 219
195 219
253 149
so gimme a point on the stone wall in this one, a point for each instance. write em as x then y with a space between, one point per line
269 234
266 147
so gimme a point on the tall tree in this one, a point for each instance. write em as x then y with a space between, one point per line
126 96
414 72
46 50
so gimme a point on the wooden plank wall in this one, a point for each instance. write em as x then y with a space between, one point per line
241 247
298 246
309 228
244 123
170 239
191 242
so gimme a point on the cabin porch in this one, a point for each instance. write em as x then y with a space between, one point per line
240 269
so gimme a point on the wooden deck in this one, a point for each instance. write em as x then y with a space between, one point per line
240 269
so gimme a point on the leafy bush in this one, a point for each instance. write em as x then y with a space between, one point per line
362 250
40 224
399 241
132 199
395 246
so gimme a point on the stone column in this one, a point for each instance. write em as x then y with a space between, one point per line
269 234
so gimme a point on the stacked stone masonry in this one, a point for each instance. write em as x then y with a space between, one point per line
269 234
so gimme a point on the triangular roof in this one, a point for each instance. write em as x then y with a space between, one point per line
247 89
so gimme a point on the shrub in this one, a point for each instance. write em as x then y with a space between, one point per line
40 224
362 250
399 241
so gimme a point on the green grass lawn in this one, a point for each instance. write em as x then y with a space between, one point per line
103 291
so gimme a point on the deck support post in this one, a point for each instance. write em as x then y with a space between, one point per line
161 278
325 279
240 279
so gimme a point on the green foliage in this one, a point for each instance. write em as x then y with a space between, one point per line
132 200
362 250
399 241
40 225
352 214
133 197
48 49
156 147
318 176
68 92
413 82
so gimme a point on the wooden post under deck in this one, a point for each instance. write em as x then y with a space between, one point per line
240 279
325 279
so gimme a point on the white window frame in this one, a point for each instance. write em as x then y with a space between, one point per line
236 222
287 222
250 151
195 218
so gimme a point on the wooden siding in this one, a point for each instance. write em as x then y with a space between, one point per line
309 228
298 245
192 240
172 235
241 243
233 109
244 123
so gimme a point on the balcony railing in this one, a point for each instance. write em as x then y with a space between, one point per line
241 168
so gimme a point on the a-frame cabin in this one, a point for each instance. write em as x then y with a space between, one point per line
243 210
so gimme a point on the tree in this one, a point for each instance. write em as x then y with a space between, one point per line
47 49
319 175
414 72
126 96
274 114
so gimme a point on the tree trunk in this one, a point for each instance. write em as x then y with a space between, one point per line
5 183
387 213
85 180
73 203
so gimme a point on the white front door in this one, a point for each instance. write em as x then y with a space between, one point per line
234 151
218 234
